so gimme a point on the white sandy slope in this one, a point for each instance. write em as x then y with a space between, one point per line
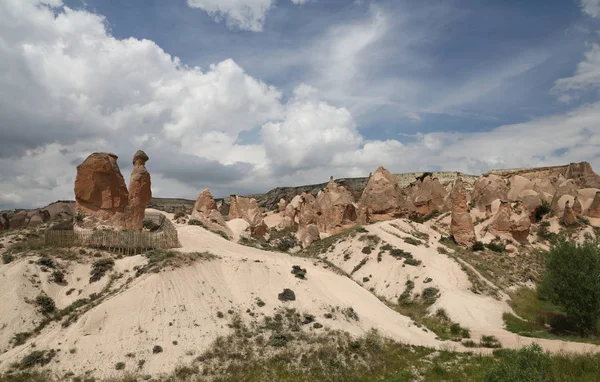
181 305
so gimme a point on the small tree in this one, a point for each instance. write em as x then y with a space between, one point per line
572 281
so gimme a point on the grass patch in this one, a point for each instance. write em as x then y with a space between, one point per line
159 259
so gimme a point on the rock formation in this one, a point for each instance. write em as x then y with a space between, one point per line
101 197
565 191
247 209
583 175
488 188
4 222
140 192
427 195
577 209
281 206
335 208
569 218
205 209
514 220
382 198
461 225
308 231
594 210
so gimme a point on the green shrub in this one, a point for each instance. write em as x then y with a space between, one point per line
412 241
489 342
157 349
478 246
46 303
496 247
120 366
46 262
179 215
542 210
529 364
100 267
367 250
430 295
413 262
37 358
58 277
287 295
196 222
150 225
299 272
572 281
7 258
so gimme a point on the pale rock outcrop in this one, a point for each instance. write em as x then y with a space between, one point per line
290 213
583 175
281 206
308 231
513 219
531 200
577 209
488 188
594 210
566 191
247 209
335 208
427 195
518 184
382 198
461 224
569 218
205 209
140 191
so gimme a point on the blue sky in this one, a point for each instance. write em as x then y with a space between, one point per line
244 95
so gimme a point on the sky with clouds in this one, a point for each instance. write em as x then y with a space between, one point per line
241 96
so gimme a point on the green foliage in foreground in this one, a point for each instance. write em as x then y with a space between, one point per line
572 281
387 361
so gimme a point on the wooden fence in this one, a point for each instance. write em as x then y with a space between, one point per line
126 242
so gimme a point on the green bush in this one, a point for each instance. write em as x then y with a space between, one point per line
99 269
542 210
496 247
37 358
478 246
196 222
572 281
529 364
7 258
150 225
46 303
429 295
367 250
489 342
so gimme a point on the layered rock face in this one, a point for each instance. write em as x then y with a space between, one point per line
461 225
594 210
511 219
308 231
140 192
382 198
205 209
101 197
336 210
428 195
583 175
487 189
247 209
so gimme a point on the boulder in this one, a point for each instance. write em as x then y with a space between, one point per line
205 209
19 220
488 188
594 210
461 224
281 206
37 217
100 192
382 198
247 209
140 191
569 219
4 222
513 219
335 208
427 195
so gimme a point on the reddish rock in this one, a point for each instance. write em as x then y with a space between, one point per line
511 219
577 208
383 199
19 220
461 225
205 202
140 191
569 218
427 195
206 210
308 231
488 188
335 208
247 209
488 210
4 222
594 210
